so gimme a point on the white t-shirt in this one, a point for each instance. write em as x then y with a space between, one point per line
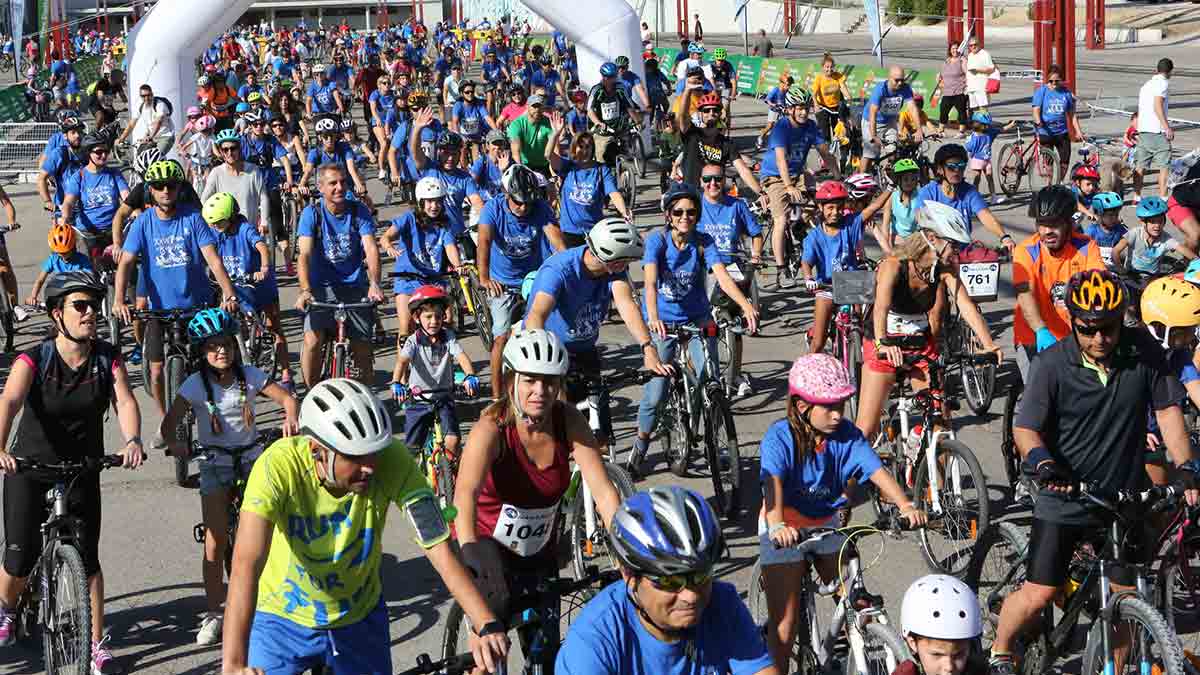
1147 117
229 407
145 120
980 60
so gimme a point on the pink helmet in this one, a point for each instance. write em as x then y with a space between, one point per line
820 379
205 123
194 111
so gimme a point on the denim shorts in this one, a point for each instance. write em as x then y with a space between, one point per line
215 477
282 647
505 309
826 545
418 423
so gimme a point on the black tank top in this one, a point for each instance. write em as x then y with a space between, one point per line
905 301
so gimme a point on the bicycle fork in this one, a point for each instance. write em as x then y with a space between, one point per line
931 459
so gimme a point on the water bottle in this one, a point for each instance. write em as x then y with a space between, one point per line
912 444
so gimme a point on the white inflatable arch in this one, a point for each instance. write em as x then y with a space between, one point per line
602 30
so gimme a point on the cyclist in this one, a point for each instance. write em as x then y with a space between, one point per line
331 150
808 459
488 170
1042 265
398 123
95 188
1054 117
457 183
1143 247
312 596
150 122
336 236
63 258
585 184
674 266
65 386
704 142
61 162
381 101
529 134
221 395
217 98
631 82
495 74
341 75
882 111
470 118
949 187
941 622
548 80
911 286
1170 308
667 614
248 185
322 96
609 107
830 95
1083 419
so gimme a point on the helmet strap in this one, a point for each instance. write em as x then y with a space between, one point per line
531 423
670 632
931 275
62 330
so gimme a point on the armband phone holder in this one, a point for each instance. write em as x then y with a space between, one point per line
427 518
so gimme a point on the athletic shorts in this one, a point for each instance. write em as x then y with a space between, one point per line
282 647
1153 152
418 423
884 366
1061 144
25 510
505 310
1051 546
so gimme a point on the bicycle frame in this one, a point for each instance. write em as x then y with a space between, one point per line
928 452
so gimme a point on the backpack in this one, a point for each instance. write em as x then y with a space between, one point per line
159 99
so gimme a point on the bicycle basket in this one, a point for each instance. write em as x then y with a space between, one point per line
853 287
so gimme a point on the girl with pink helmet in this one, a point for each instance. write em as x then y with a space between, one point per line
808 459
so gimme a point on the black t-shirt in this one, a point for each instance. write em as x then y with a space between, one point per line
723 73
64 411
140 193
1188 193
1096 431
698 151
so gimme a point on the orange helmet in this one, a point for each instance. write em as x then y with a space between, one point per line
709 100
61 239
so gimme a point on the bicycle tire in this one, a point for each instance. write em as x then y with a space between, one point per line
483 316
458 627
963 518
340 364
175 372
639 155
731 357
721 434
626 183
291 218
674 429
1003 547
6 320
114 323
1012 169
1042 169
854 363
802 652
445 473
1008 444
978 380
1169 658
599 555
889 447
1179 597
266 354
67 633
883 649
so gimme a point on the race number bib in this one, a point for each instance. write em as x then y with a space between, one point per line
470 126
1106 254
906 324
524 531
609 111
735 272
980 278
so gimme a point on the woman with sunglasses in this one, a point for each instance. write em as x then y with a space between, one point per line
949 187
96 189
911 288
514 108
65 386
585 184
470 118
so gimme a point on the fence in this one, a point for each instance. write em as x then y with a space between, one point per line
13 106
21 143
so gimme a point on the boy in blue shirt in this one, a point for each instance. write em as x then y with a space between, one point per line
834 246
979 149
1110 230
63 258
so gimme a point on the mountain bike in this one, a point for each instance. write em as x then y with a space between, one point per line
853 291
939 472
439 466
799 215
979 272
1177 582
98 246
630 162
335 354
999 567
255 343
858 637
177 362
56 597
1022 157
729 343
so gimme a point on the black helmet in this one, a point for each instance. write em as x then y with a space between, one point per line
948 152
61 284
679 191
1054 203
449 139
94 140
521 184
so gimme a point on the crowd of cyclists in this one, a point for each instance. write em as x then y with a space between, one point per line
518 225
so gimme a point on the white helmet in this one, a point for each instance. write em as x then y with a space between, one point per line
326 125
613 239
941 607
344 415
535 351
943 220
145 158
430 188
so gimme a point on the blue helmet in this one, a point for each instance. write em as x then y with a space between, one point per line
1150 207
679 191
665 531
982 118
694 48
242 107
1107 201
608 69
212 322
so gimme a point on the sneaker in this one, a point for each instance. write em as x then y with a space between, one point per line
20 313
1002 664
784 278
103 662
743 389
998 199
8 627
210 629
135 356
158 443
1022 495
382 174
637 454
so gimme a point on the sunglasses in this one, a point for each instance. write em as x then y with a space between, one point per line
165 185
468 91
712 179
691 213
710 111
673 583
99 151
217 344
259 123
82 306
956 166
1109 328
1053 81
230 148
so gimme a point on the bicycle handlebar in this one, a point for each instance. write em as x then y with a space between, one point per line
316 304
454 665
70 467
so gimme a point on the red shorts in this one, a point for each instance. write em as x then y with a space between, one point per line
1178 212
884 366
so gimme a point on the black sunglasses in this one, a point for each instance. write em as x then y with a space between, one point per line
956 166
685 212
1107 328
712 179
82 306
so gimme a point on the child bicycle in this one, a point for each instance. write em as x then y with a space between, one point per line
335 354
438 464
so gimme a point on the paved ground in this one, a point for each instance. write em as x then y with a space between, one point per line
153 564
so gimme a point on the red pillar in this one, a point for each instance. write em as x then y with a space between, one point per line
1066 26
1095 24
975 19
954 23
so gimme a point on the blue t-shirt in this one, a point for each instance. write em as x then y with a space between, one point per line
518 244
472 119
629 80
422 249
727 221
577 121
492 72
337 257
1054 106
581 302
828 253
548 80
247 89
342 75
1105 238
583 192
681 274
322 97
241 259
890 102
60 164
459 186
262 153
979 145
608 637
175 269
796 142
383 102
815 486
98 195
75 262
57 140
966 199
776 96
342 154
487 177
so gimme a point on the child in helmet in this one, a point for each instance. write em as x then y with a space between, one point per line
1171 312
63 258
941 622
979 150
900 209
1143 247
1087 186
221 395
808 458
1109 230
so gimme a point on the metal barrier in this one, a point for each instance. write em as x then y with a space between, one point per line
21 143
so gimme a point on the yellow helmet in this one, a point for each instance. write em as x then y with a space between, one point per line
1170 302
1095 295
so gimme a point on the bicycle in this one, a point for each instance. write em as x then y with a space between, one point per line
799 215
255 342
1020 158
629 163
335 354
853 291
938 471
1177 580
1154 648
99 250
177 359
729 341
56 597
696 408
979 272
859 629
439 466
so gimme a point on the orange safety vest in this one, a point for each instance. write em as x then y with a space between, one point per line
221 100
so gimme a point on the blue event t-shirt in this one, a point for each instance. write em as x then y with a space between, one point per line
518 244
1106 239
815 487
59 165
472 119
342 154
1054 105
581 301
583 192
727 221
459 186
99 195
890 102
487 177
75 262
979 145
577 120
796 141
337 256
547 80
241 259
608 637
966 199
834 253
681 276
422 249
322 97
175 269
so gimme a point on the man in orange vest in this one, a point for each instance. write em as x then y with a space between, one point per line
217 98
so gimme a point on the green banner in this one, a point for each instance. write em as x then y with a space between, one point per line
44 30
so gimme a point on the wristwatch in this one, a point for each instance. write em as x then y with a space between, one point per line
645 344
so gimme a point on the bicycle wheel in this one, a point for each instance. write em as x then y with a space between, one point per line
340 364
802 652
1042 169
889 446
1001 549
1008 445
67 631
626 182
674 429
483 312
455 635
175 371
978 379
883 649
446 472
724 458
1179 584
731 360
1153 647
291 216
963 497
266 356
6 320
638 150
854 362
1012 169
594 549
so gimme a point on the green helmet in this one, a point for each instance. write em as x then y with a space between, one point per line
221 206
719 53
164 171
622 61
905 165
227 136
797 95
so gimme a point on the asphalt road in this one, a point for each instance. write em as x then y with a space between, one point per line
152 563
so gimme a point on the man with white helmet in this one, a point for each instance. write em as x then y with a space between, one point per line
305 588
940 618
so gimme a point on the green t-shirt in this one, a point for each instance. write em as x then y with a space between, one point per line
323 567
533 140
